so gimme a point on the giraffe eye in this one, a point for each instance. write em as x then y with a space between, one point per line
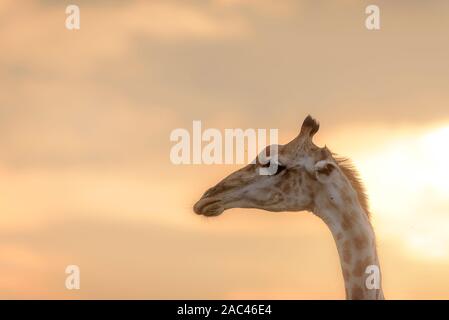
265 165
279 167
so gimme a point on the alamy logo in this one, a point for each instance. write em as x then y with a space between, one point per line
227 148
72 22
372 21
373 279
72 282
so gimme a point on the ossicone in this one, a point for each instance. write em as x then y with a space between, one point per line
310 126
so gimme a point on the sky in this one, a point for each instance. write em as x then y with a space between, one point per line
86 116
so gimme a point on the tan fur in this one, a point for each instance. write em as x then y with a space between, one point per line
347 252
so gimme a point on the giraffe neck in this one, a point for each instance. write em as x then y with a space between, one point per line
356 245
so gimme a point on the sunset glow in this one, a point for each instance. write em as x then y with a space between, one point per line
85 122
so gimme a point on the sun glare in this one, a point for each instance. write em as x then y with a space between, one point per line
408 182
435 147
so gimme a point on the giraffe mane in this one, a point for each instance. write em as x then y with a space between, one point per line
349 170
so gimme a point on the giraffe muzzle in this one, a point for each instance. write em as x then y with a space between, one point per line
208 207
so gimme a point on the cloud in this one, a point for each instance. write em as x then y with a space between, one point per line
137 70
85 118
38 31
129 260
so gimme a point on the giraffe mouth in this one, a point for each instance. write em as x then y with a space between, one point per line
208 207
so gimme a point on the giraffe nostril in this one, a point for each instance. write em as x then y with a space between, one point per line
210 191
213 191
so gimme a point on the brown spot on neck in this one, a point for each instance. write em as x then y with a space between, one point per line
356 293
347 223
360 242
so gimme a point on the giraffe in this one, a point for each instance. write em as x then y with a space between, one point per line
308 178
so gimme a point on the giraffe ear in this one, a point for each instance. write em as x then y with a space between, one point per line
323 169
326 170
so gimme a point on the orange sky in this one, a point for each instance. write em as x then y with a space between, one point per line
85 120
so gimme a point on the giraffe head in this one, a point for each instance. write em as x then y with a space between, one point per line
300 168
